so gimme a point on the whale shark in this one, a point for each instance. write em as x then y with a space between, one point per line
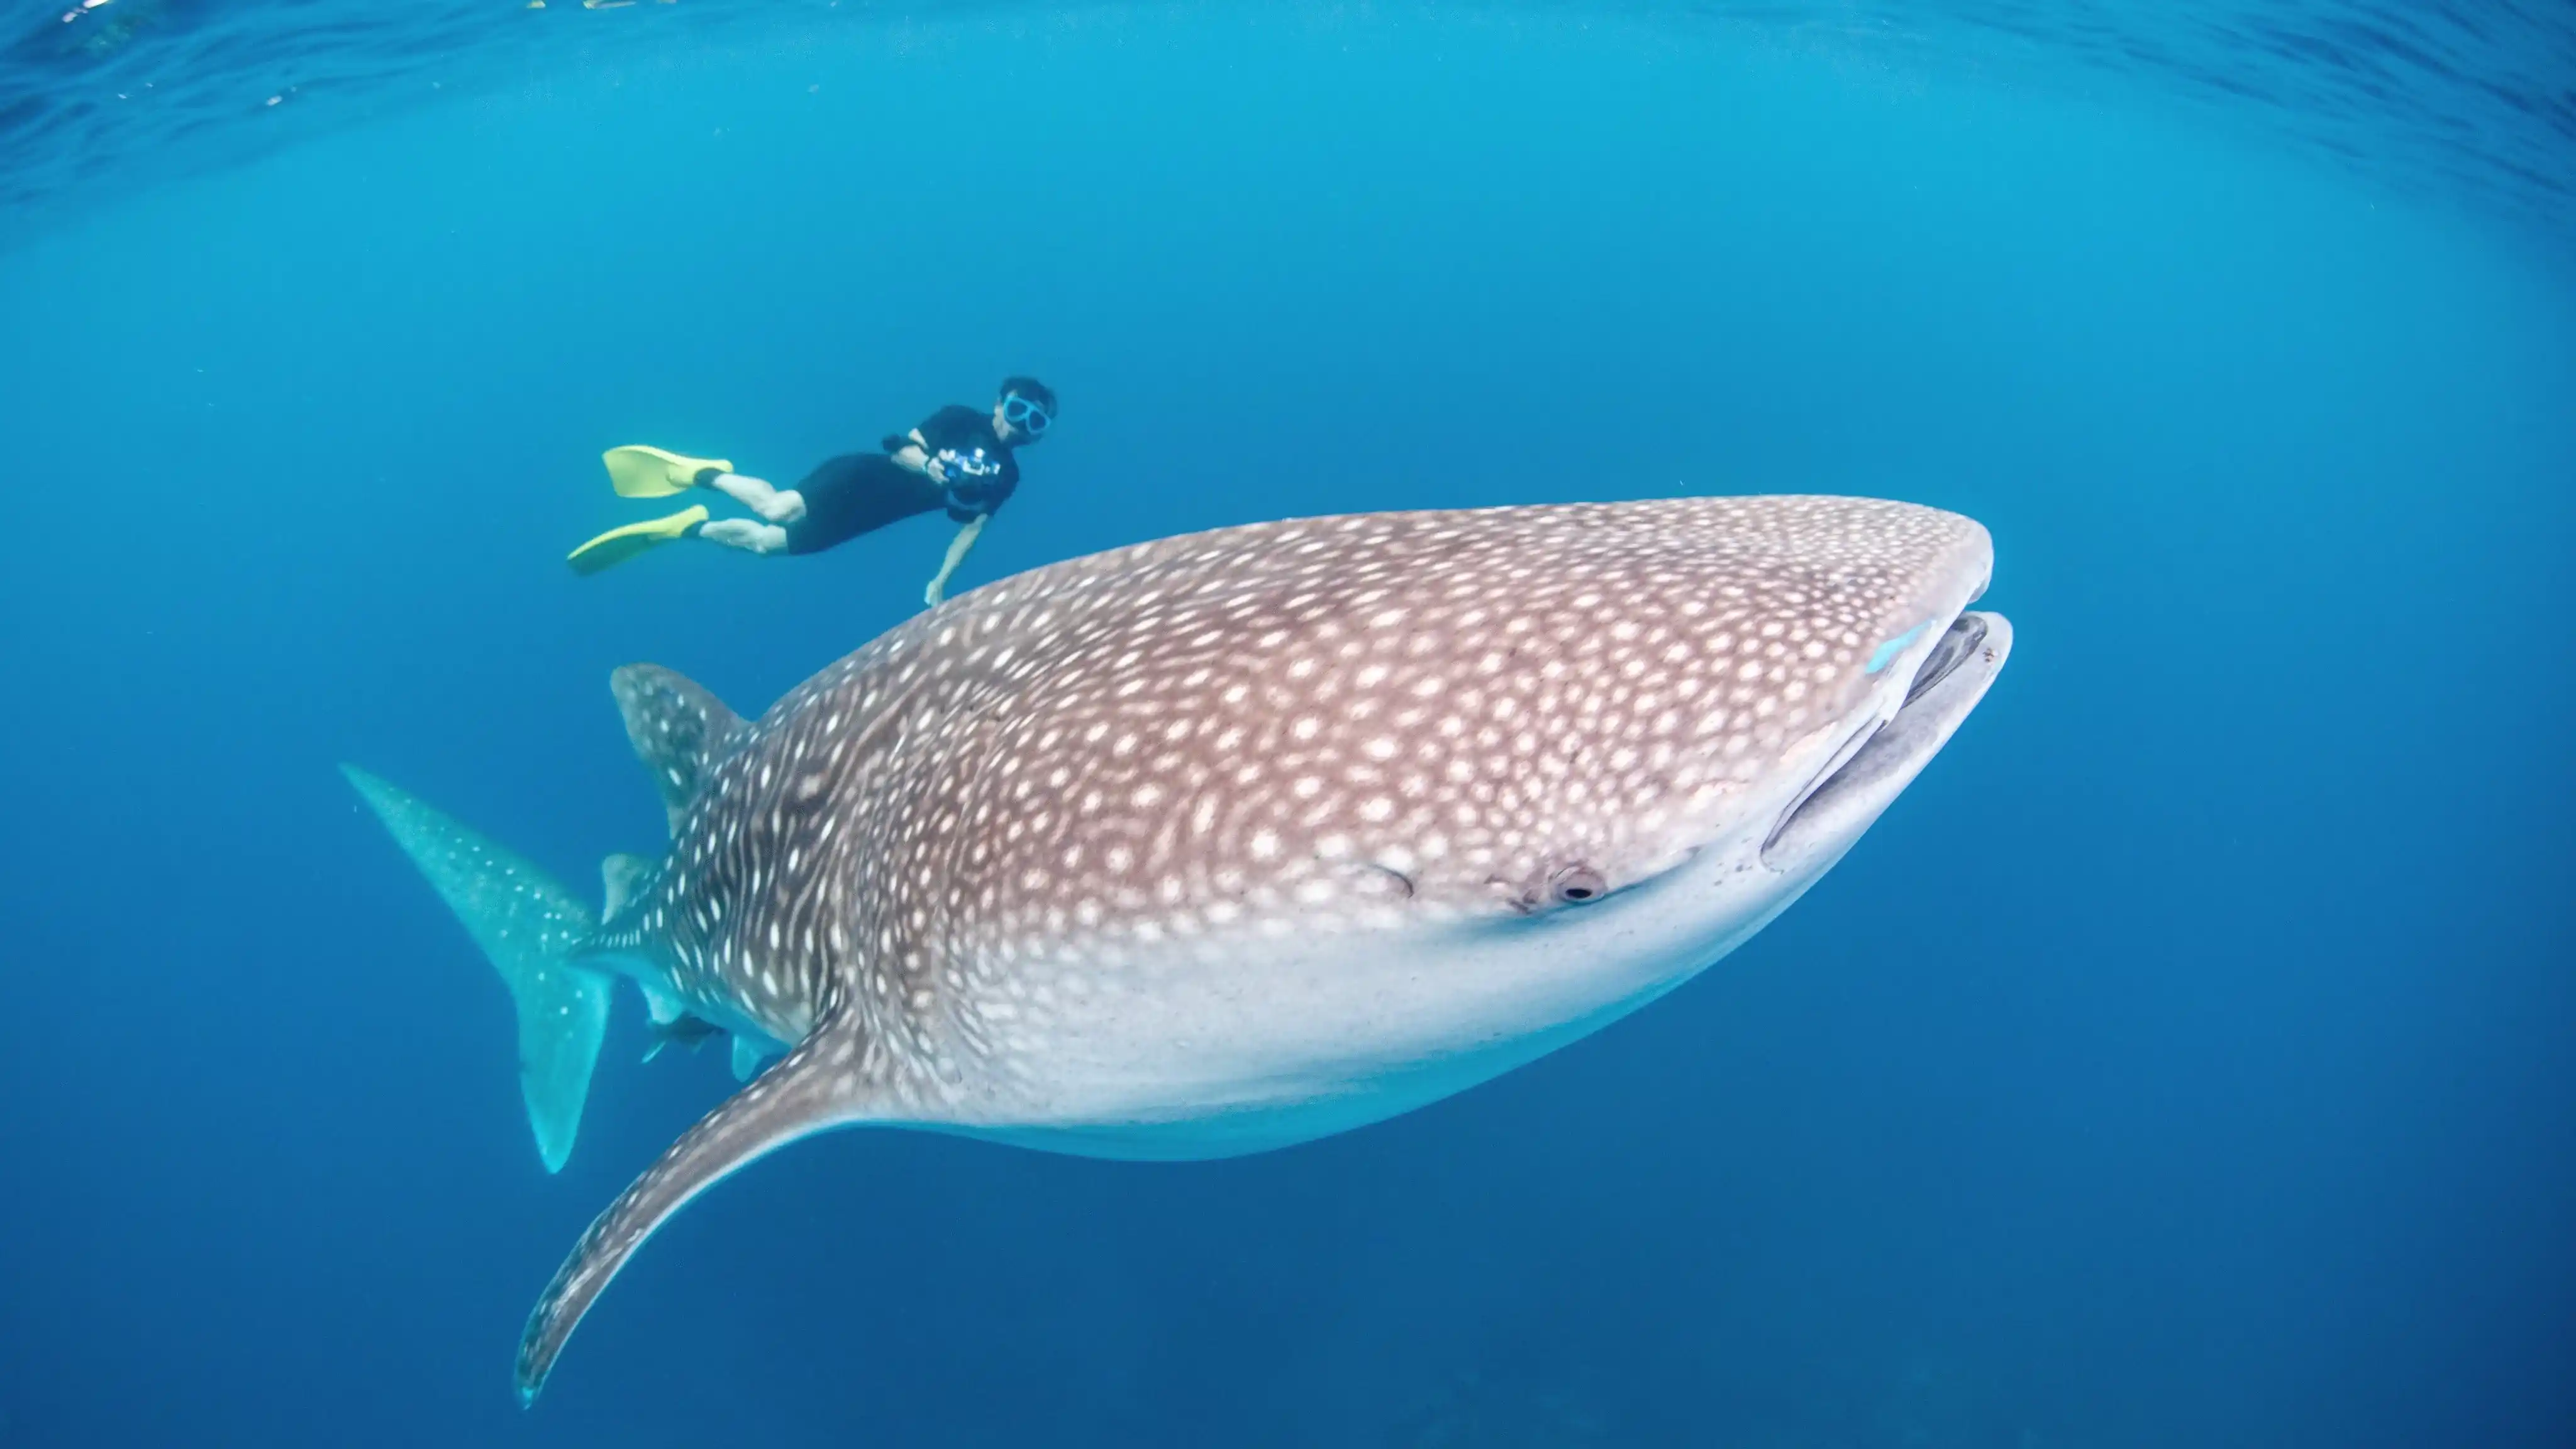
1225 842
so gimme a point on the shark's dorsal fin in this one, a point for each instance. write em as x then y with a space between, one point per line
679 729
812 1089
621 878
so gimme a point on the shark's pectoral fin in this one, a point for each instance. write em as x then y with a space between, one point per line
746 1059
812 1089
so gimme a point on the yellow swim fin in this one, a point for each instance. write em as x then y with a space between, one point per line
618 545
636 471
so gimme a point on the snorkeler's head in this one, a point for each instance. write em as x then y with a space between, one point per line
1024 411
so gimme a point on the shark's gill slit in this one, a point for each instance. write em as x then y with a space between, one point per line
1398 879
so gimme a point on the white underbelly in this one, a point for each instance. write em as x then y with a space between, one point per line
1264 1046
1195 1115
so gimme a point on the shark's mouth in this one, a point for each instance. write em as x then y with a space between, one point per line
1882 757
1965 633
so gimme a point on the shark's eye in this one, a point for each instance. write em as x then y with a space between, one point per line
1577 885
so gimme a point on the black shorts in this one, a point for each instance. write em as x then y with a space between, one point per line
855 494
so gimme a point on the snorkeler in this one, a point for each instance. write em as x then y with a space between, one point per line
959 459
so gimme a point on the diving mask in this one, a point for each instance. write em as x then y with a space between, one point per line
1026 415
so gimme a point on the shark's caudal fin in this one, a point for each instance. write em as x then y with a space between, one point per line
680 730
811 1089
528 926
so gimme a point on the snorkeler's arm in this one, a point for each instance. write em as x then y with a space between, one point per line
950 427
958 547
911 450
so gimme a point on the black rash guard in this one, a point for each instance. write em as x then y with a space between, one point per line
857 493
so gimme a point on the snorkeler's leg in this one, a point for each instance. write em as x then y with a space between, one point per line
744 534
778 505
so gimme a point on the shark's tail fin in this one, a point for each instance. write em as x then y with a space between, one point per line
528 926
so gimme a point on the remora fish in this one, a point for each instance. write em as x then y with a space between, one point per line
1226 842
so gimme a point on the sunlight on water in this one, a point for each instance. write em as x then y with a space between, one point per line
97 96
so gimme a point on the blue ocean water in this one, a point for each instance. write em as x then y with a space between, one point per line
2184 1060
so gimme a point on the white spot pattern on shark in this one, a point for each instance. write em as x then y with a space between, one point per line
1227 841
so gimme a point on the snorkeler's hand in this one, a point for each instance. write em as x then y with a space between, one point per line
958 548
937 471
